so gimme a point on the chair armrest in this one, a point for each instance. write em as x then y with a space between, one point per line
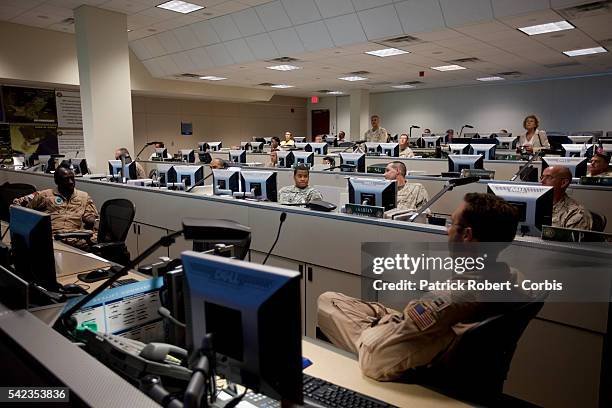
107 245
75 234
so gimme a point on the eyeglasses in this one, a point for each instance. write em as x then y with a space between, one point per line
449 223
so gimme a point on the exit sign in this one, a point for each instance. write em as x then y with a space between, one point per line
314 99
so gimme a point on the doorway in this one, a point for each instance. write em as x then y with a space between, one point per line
320 122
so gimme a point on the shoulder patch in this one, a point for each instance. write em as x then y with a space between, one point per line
422 317
58 200
440 303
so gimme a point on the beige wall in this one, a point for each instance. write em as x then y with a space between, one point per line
160 119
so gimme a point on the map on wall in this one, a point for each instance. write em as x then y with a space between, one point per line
39 139
29 105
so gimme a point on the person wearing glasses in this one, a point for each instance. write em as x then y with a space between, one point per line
567 212
533 140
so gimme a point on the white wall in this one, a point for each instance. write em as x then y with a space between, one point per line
564 104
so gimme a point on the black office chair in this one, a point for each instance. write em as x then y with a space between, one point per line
116 217
476 366
599 221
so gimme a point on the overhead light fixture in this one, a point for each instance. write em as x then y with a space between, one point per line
585 51
335 93
282 86
547 28
448 68
387 52
353 78
129 31
180 6
402 86
212 78
284 67
491 78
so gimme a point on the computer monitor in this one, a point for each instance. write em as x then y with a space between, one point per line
597 134
371 191
372 148
253 314
299 139
470 136
160 153
331 140
577 150
215 146
187 155
487 150
353 159
389 149
166 174
285 158
306 158
576 165
458 162
556 141
129 170
226 181
202 146
317 148
78 166
580 139
237 156
459 148
48 162
268 140
261 185
533 202
189 175
431 142
14 291
245 145
257 147
32 247
301 145
507 142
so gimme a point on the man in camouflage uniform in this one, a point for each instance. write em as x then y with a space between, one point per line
567 212
70 209
377 133
405 150
389 342
300 193
600 165
410 196
140 171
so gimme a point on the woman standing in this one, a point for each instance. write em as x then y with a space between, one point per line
533 140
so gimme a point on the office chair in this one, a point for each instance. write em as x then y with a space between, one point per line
599 221
476 366
116 217
9 192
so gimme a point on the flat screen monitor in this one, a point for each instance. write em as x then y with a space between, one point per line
215 146
317 148
299 139
245 145
32 247
356 161
48 162
187 155
459 148
580 139
261 185
257 147
306 158
166 174
129 170
189 175
507 142
301 145
285 158
78 166
389 149
470 135
226 181
160 153
253 314
534 204
577 150
487 150
576 165
371 191
458 162
268 140
331 140
14 291
597 134
237 156
430 142
372 148
556 141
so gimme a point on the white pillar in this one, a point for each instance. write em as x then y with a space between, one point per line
360 113
104 75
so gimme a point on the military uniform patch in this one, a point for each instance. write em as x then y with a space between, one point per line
422 317
440 303
58 200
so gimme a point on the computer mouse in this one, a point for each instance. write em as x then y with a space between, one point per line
94 276
73 288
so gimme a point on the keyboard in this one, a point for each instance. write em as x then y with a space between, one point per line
122 282
321 393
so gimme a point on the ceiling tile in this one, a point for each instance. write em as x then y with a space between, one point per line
219 55
184 62
503 8
301 11
287 41
457 13
273 16
380 22
226 28
169 42
345 30
168 65
239 50
333 8
598 27
154 68
141 51
248 22
186 37
262 46
200 58
205 33
154 46
8 12
537 17
314 36
368 4
418 15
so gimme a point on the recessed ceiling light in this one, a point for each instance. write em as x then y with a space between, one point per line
282 86
387 52
284 67
585 51
402 86
129 31
491 78
448 68
353 78
547 28
335 93
180 6
212 78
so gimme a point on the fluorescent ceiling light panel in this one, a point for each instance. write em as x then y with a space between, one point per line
353 78
387 52
547 28
585 51
402 86
448 68
212 78
180 6
491 78
335 93
282 86
284 67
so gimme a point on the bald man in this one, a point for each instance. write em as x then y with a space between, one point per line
567 212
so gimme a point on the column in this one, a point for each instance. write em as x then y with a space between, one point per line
360 113
104 75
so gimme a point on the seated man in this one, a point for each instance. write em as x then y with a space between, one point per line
70 209
318 139
390 342
405 150
160 145
300 193
600 165
122 151
410 196
567 212
273 158
217 163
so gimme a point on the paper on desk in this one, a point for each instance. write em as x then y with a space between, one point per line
96 257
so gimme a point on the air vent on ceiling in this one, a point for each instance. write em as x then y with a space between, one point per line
265 84
359 73
188 75
68 21
562 64
413 83
469 60
323 91
510 73
283 59
407 39
595 8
